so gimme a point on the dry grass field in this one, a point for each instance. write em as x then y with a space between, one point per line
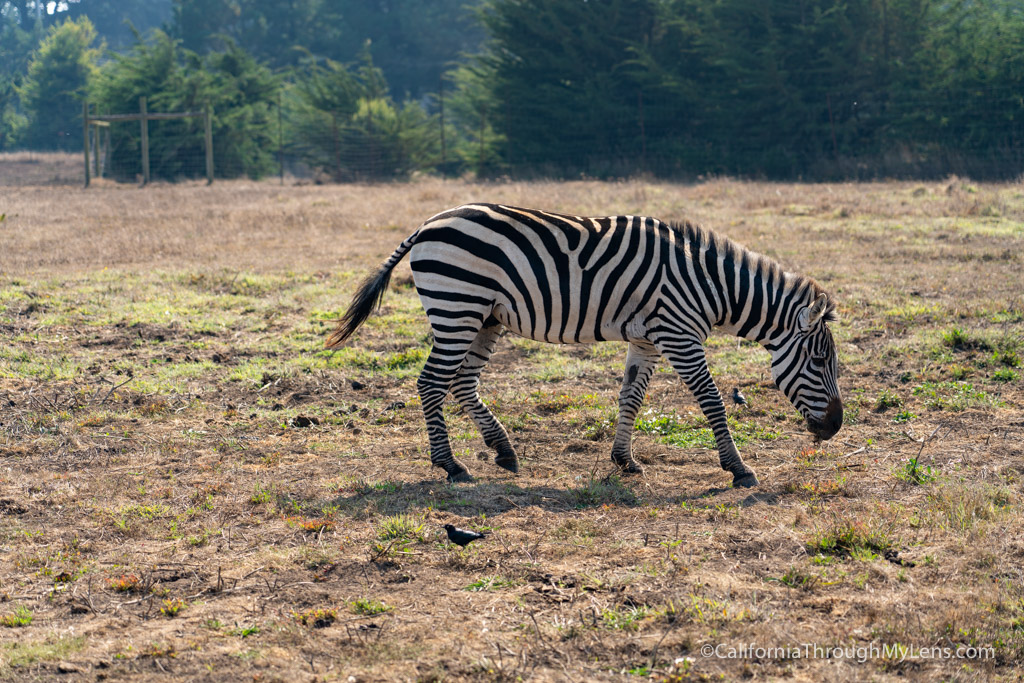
40 168
192 489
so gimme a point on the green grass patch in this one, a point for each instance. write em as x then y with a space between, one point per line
903 416
695 433
20 617
888 399
490 583
172 607
954 396
960 339
396 533
855 538
625 618
1007 316
598 492
795 577
961 507
1007 357
399 364
19 363
910 313
1005 375
20 654
913 472
369 607
708 611
318 617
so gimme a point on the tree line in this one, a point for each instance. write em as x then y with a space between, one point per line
817 89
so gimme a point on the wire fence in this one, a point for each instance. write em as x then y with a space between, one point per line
845 137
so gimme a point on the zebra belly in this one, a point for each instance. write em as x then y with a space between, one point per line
609 332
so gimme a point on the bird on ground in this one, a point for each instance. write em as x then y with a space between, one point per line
462 537
738 398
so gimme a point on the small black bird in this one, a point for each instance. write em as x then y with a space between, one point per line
738 398
462 537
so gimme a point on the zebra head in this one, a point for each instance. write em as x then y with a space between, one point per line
805 367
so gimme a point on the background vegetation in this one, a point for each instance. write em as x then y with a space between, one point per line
815 89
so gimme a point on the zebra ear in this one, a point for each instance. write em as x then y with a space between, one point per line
818 309
808 317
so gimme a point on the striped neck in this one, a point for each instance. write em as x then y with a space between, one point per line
750 295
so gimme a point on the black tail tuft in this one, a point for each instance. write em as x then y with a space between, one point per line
367 298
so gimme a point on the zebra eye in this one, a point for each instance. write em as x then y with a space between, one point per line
818 361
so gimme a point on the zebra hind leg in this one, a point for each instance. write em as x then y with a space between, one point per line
640 360
440 370
465 390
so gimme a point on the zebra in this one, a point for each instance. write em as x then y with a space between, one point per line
661 287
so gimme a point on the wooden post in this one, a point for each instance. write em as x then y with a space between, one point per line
95 151
208 131
145 141
337 149
106 150
280 139
85 138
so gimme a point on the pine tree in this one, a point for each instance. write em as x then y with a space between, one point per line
52 91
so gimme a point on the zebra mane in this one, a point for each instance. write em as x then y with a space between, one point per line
689 232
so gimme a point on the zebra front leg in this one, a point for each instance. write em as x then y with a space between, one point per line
437 376
640 360
688 360
465 389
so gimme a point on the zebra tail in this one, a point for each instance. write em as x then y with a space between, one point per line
369 296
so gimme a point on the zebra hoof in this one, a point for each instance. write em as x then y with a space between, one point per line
510 464
631 467
746 481
459 477
507 459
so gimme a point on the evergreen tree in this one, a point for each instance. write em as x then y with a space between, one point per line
19 36
561 93
474 144
51 93
240 92
343 123
411 41
972 62
11 122
116 21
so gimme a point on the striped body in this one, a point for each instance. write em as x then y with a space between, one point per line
547 277
482 268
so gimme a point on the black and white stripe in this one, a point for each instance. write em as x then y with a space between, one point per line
660 287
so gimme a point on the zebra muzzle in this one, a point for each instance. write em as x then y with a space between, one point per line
826 427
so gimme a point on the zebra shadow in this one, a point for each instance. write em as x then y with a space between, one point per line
766 497
480 497
484 497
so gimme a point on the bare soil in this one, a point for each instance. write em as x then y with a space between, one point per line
190 489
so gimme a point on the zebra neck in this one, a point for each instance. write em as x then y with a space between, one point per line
737 290
763 303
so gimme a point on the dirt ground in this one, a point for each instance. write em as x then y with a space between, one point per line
192 489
